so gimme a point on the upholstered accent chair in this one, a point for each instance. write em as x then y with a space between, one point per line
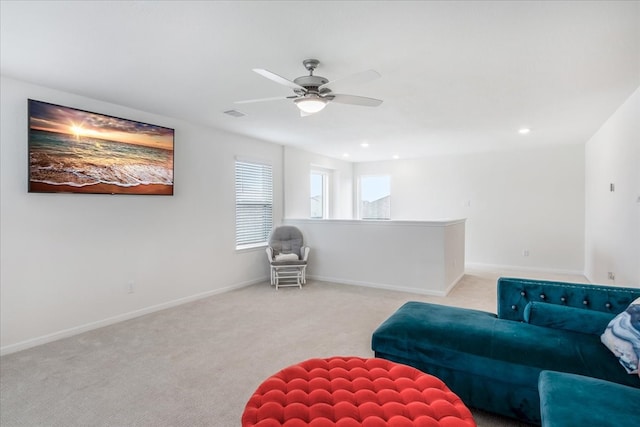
287 256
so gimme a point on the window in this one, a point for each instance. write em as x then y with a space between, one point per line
254 204
375 197
318 192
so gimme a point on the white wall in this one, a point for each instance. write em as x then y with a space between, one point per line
528 199
66 259
425 257
612 232
297 166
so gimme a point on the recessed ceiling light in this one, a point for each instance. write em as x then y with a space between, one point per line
396 157
345 155
524 131
364 144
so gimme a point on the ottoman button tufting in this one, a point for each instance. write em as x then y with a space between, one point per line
354 392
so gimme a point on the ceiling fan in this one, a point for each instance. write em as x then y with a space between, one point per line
312 93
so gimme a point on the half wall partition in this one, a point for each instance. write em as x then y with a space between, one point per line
425 257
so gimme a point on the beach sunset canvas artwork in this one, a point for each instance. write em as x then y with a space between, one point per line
76 151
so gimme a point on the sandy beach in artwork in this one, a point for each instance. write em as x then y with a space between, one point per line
155 189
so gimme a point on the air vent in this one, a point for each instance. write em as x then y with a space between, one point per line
235 113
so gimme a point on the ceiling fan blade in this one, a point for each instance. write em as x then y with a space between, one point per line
273 98
355 100
278 79
358 78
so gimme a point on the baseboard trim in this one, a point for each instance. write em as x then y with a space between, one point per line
453 284
44 339
490 267
384 286
66 333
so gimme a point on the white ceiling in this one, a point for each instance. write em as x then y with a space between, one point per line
456 76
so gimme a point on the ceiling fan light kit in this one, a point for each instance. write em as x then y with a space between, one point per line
311 103
312 93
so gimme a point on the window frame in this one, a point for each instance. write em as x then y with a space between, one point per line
360 201
253 194
324 194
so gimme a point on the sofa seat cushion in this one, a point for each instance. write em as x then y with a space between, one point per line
453 336
568 400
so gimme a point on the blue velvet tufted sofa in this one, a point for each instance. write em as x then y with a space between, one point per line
493 362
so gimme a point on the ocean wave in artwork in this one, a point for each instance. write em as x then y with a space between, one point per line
57 160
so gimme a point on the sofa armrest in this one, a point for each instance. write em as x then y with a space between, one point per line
514 294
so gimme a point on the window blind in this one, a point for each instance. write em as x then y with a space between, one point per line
254 203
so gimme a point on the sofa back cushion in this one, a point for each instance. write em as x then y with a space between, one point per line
567 318
514 294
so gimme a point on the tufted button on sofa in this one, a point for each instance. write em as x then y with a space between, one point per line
351 392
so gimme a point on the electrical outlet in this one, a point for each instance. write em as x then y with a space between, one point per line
525 252
611 275
130 287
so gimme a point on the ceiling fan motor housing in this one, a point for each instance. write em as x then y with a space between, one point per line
311 83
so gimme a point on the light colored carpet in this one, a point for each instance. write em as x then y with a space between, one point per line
198 364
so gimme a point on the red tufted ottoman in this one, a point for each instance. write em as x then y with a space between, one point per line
351 392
